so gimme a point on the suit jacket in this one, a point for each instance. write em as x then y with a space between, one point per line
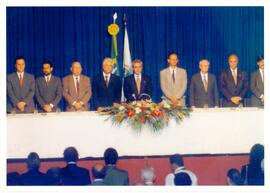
130 87
73 175
198 96
34 178
70 94
229 89
257 88
116 176
16 93
176 89
105 96
50 93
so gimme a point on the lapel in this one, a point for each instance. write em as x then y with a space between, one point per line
142 84
231 77
169 77
72 86
260 77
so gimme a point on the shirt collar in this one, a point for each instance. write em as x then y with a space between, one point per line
104 74
235 70
179 169
140 76
171 69
20 73
74 77
71 163
204 74
49 76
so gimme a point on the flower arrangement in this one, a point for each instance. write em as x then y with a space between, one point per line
145 112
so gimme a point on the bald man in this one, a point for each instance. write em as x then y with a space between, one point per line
203 88
234 84
77 89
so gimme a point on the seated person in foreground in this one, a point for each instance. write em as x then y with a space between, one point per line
114 176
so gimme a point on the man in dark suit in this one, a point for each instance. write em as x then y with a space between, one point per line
137 86
33 177
203 88
20 89
257 84
234 84
114 176
73 175
99 172
106 86
48 89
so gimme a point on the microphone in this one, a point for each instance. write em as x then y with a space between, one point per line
144 96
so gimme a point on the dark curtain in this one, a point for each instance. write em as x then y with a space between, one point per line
64 34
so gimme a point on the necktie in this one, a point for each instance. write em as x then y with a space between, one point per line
173 77
47 80
138 84
234 77
205 83
77 86
21 80
106 80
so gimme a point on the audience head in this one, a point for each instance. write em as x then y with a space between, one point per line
234 177
173 59
71 154
20 64
47 68
107 65
99 171
260 62
76 68
182 179
110 156
204 65
176 161
33 161
233 61
137 66
148 175
256 155
54 176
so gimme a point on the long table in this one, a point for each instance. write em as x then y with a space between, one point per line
207 131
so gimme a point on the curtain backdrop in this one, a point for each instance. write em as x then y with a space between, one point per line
64 34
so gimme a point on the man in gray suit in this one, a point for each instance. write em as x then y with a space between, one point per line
203 88
48 89
114 176
20 89
257 84
77 89
173 81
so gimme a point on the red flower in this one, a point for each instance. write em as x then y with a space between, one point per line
129 113
142 119
156 113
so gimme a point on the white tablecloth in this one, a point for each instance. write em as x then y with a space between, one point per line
207 131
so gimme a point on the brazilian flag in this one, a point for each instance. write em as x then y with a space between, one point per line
113 30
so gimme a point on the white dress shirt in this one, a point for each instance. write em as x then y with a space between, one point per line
169 180
173 69
204 76
20 74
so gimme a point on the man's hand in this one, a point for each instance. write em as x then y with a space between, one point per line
174 100
262 98
236 100
47 108
21 106
78 105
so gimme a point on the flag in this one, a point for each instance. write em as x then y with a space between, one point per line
113 30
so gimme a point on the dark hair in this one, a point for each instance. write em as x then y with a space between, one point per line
172 53
99 173
260 58
110 156
177 159
71 154
47 62
33 161
19 58
182 179
235 176
256 155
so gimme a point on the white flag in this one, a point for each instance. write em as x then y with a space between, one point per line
127 64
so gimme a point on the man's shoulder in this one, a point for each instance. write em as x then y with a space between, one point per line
85 77
28 75
12 75
119 171
67 77
164 70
